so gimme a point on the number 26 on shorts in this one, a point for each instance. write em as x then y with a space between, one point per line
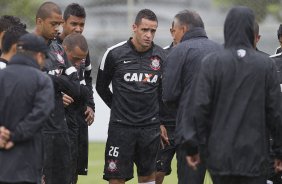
113 151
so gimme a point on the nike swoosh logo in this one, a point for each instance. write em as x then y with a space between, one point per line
126 61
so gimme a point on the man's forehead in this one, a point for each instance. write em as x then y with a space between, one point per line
73 18
55 17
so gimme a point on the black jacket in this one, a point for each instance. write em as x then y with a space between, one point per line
26 100
65 80
180 69
237 103
136 83
85 77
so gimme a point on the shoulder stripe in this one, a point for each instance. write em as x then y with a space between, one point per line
166 47
70 70
88 68
107 52
275 55
82 82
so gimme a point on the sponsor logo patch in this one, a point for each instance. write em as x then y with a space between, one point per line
140 77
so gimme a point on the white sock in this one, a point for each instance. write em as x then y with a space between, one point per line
151 182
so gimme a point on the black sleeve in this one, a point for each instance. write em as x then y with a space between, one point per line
43 103
172 78
273 110
88 81
195 129
104 78
67 82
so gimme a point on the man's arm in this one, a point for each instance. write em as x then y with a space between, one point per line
104 78
274 110
88 81
42 106
195 129
171 81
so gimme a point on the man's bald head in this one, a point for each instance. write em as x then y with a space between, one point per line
75 40
46 9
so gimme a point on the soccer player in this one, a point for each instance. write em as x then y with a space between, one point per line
9 44
7 21
76 49
74 21
134 68
57 155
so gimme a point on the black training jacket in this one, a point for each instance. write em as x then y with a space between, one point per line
237 103
85 77
65 80
180 69
136 84
26 100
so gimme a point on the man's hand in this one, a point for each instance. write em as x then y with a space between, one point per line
4 136
277 165
9 145
164 137
89 113
67 100
193 161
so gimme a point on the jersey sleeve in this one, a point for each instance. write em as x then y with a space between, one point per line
104 78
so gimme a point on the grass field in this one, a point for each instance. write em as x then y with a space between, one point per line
96 165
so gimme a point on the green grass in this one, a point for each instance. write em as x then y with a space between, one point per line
96 166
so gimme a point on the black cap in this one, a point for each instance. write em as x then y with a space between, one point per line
32 42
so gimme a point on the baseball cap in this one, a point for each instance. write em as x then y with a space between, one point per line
32 42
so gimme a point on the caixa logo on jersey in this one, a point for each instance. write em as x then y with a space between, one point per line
140 77
155 65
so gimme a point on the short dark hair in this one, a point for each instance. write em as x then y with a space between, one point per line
146 14
7 21
11 37
46 9
189 18
75 40
74 9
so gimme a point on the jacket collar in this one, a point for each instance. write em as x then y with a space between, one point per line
21 59
194 33
3 60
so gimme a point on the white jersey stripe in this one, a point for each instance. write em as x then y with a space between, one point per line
275 55
88 68
70 70
2 65
83 82
107 52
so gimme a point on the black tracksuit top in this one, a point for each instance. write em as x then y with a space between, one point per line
136 84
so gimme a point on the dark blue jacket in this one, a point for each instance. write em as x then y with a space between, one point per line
26 99
180 69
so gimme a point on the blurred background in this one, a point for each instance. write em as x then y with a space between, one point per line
109 22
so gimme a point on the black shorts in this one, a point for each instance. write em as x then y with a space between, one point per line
127 145
56 162
166 154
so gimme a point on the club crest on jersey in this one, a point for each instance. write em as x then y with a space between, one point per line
155 65
60 58
112 165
